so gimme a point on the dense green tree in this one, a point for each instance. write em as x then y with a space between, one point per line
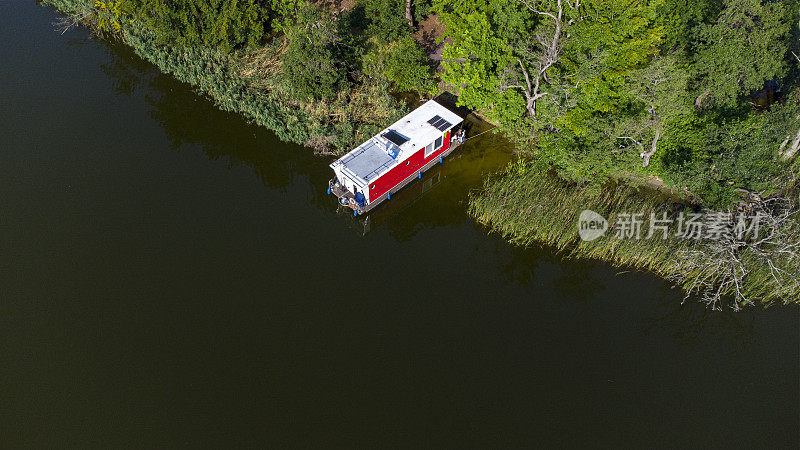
403 63
604 87
478 62
226 25
387 19
313 63
745 47
680 19
421 9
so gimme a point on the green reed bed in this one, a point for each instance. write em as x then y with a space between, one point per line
528 205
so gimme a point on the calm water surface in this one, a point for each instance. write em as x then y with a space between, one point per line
172 276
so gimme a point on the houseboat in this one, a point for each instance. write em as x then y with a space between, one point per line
381 166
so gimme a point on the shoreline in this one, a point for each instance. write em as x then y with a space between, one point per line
220 77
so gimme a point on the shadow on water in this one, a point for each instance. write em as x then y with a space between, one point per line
189 118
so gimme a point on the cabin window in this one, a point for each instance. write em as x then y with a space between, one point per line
407 162
438 143
428 149
373 187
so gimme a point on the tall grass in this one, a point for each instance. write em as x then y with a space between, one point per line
529 205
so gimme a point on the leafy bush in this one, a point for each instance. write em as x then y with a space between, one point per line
421 9
227 25
387 20
744 48
403 63
312 63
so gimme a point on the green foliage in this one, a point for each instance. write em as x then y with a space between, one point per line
226 25
403 63
602 57
680 19
745 47
716 155
631 77
688 138
387 20
284 14
313 63
482 52
421 9
498 46
108 15
75 8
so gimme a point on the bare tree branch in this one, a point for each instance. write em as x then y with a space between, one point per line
791 151
721 262
544 55
66 23
646 156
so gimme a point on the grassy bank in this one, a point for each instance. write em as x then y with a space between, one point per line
252 82
529 205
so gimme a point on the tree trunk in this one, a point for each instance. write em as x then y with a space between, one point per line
408 14
646 156
551 49
793 149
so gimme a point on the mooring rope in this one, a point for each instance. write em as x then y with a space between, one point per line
490 129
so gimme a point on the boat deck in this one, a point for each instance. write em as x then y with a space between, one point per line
368 161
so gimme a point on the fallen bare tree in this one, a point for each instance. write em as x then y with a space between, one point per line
66 23
766 250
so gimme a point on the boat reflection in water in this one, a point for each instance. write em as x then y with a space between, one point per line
400 202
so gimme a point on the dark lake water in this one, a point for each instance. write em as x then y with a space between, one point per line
172 276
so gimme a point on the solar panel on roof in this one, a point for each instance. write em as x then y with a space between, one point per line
395 138
439 123
434 119
443 125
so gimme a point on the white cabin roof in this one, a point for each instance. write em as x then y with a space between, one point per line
417 129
